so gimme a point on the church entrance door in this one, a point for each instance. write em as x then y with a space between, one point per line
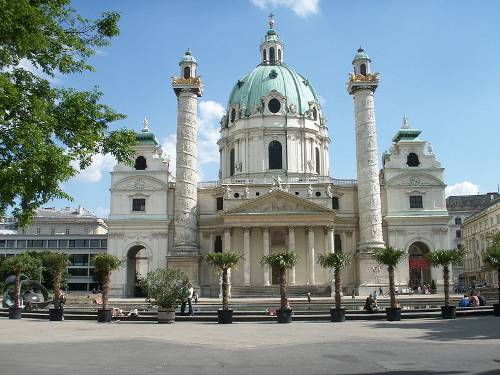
137 268
420 268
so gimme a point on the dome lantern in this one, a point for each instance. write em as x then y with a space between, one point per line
271 48
361 62
188 65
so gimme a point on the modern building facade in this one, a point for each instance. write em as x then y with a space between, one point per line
275 188
73 231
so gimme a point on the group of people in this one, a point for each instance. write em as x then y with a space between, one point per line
422 289
474 299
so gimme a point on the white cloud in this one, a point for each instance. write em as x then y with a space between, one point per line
28 65
102 212
209 115
100 164
462 188
302 8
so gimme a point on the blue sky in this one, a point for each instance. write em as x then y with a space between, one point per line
439 64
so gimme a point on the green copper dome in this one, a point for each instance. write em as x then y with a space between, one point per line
361 54
146 138
187 58
250 89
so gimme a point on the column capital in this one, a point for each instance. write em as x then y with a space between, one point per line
292 227
228 229
310 229
246 229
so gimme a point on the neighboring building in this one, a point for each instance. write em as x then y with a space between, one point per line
475 230
275 188
76 232
459 208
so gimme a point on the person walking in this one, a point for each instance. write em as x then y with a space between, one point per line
189 300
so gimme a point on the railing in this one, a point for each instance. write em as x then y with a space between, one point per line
270 180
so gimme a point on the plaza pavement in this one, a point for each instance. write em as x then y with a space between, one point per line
462 346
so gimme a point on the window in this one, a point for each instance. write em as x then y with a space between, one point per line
79 260
279 54
257 193
335 203
220 203
86 230
79 272
218 244
104 244
458 221
264 57
140 163
63 244
233 115
37 230
236 195
416 201
296 193
458 233
139 204
82 243
274 105
231 162
317 161
363 69
95 244
412 160
275 155
67 230
337 243
36 243
11 243
2 243
272 55
52 244
318 194
52 231
315 114
187 72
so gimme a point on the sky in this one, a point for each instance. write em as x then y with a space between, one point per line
438 60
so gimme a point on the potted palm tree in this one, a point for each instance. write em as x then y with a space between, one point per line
337 262
222 262
283 260
492 260
390 257
56 263
18 264
165 288
105 264
443 258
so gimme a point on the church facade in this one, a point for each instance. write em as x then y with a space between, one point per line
275 188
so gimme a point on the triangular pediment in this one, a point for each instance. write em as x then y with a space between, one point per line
277 202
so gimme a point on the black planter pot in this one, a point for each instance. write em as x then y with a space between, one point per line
496 309
393 314
15 313
104 316
284 315
56 315
337 315
448 312
224 316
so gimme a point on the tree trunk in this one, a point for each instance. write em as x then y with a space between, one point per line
392 290
17 290
284 301
446 280
57 290
338 300
225 282
105 290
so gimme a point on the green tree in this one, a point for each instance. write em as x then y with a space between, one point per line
222 262
46 132
390 257
165 287
57 263
492 256
336 261
106 263
443 258
283 260
17 265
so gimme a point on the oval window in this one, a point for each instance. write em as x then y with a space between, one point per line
233 115
274 105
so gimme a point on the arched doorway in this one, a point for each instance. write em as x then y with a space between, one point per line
420 268
137 268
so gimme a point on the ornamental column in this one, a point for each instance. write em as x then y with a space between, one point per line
185 252
311 259
246 260
265 247
291 247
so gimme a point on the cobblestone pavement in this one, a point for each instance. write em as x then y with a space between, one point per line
462 346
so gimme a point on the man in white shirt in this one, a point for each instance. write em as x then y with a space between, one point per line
190 292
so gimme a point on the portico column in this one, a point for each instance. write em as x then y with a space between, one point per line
265 246
331 249
311 260
246 260
227 239
291 247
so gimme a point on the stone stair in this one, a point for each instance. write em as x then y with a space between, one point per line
273 291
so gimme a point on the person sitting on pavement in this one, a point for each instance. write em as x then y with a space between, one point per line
473 300
464 302
482 300
370 304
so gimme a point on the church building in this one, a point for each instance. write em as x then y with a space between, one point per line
275 188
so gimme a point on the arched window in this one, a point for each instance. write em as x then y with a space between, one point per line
279 54
363 69
233 115
275 155
274 105
264 57
231 162
272 55
218 244
412 160
318 168
140 163
315 114
337 243
187 72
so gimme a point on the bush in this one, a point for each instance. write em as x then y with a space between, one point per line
165 287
